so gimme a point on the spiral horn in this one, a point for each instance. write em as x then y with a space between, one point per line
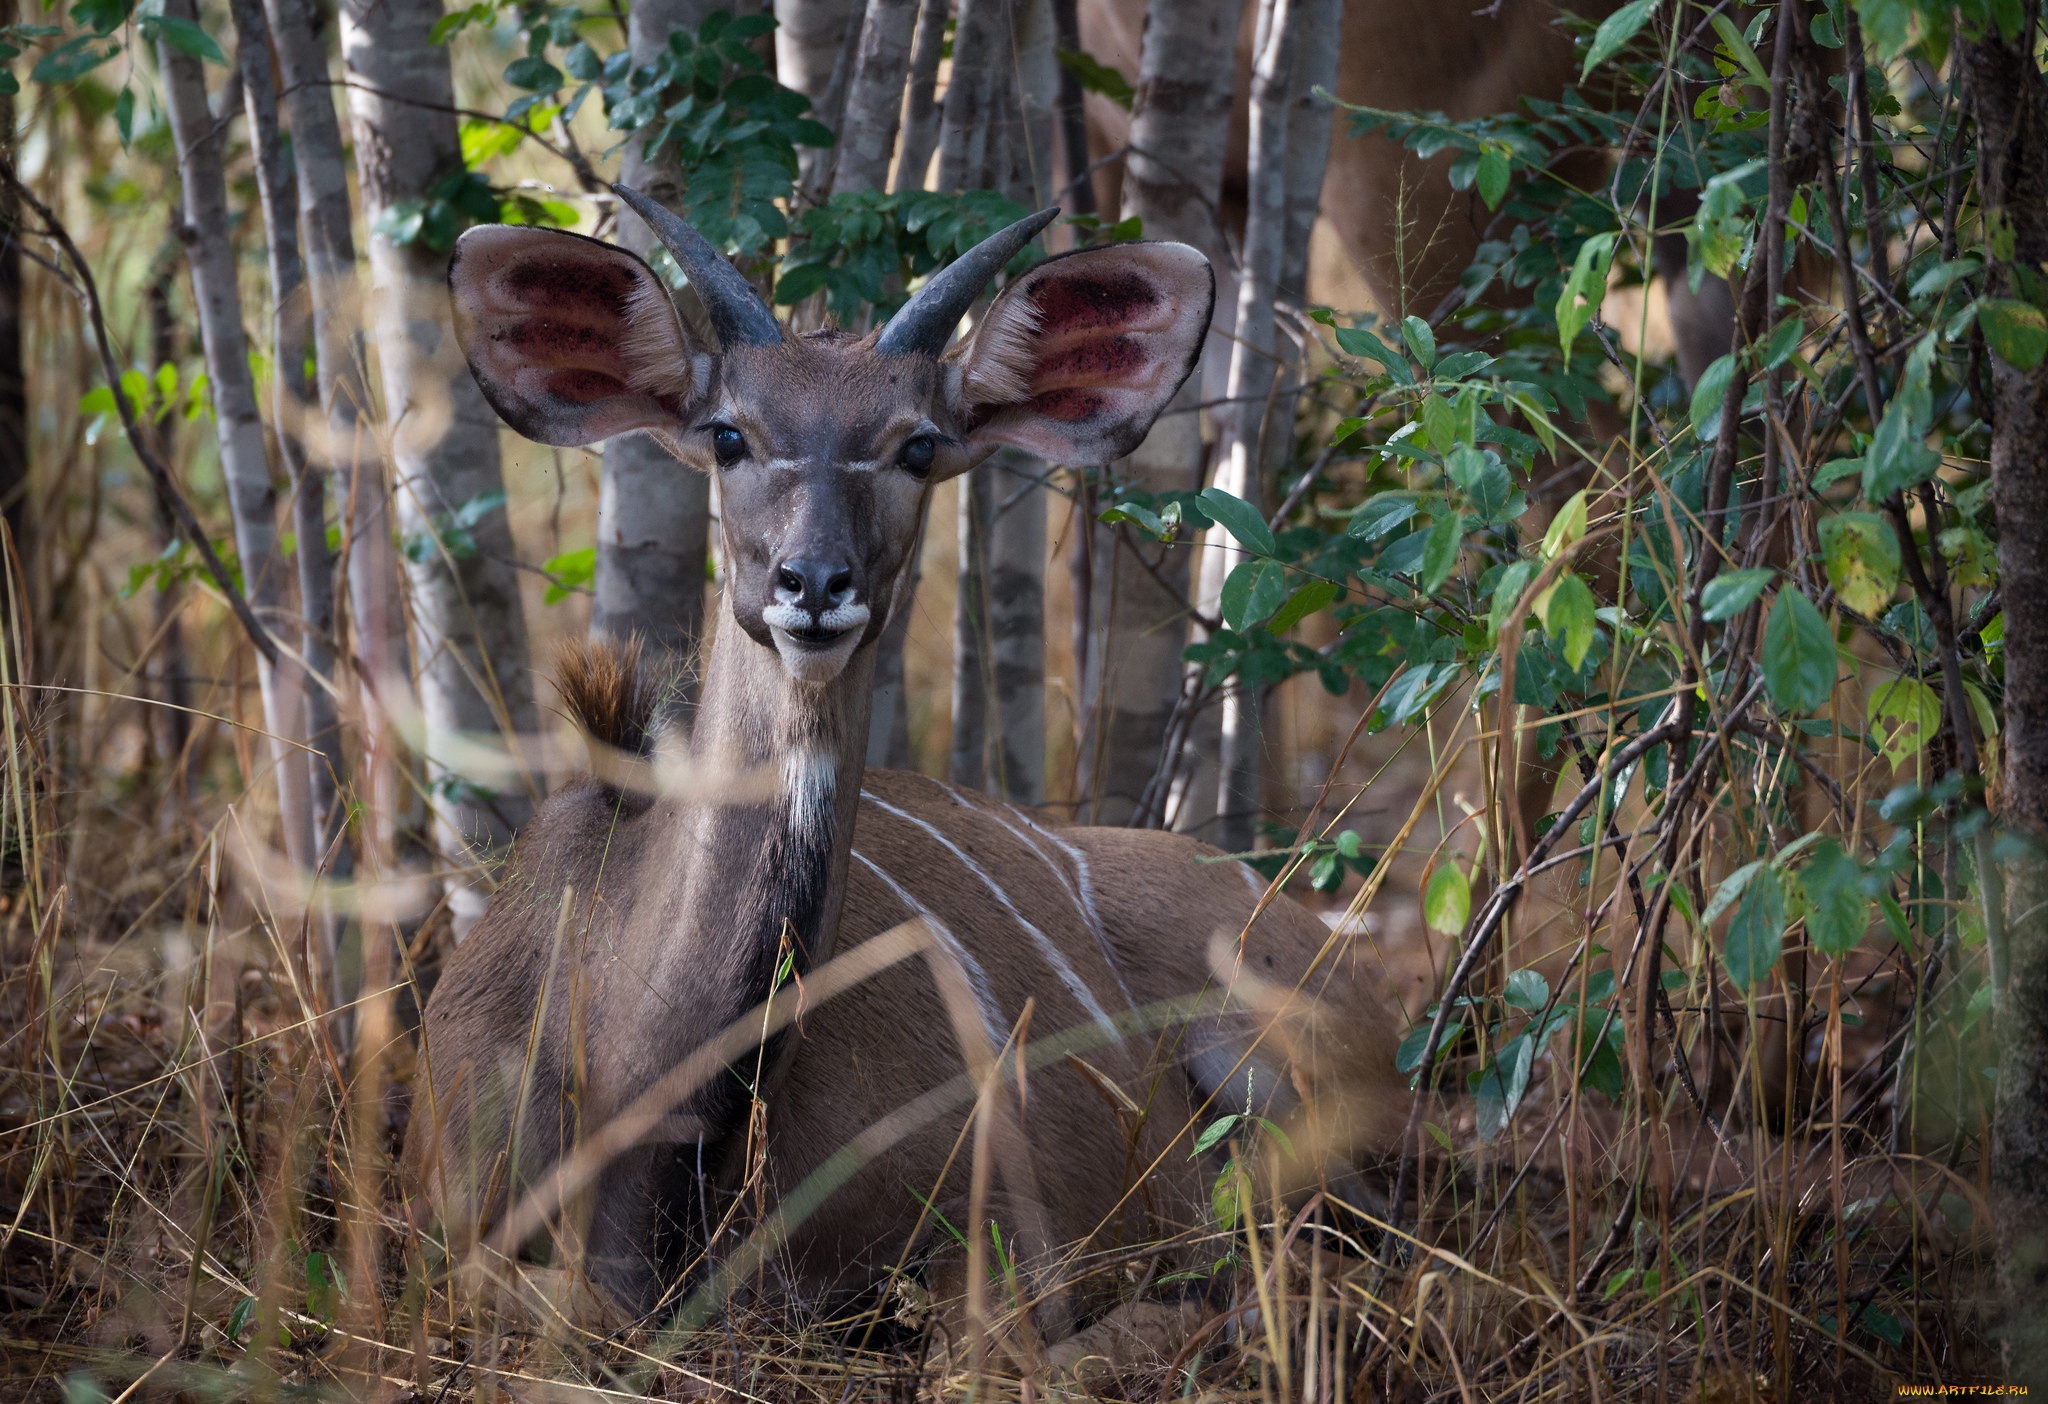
737 313
925 323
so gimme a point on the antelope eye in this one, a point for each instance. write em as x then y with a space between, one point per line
917 455
727 444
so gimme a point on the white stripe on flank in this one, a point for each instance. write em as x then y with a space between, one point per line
1083 895
1046 948
977 978
1257 883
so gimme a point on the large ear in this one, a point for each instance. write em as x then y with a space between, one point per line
571 340
1078 356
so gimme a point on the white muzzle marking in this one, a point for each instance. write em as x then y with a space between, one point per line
815 662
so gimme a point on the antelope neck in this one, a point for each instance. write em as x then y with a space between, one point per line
760 874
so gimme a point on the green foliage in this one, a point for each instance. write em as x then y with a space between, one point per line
863 248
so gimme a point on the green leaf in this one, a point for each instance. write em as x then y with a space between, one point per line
124 116
1239 518
1729 594
188 38
1507 593
1314 596
1903 716
568 572
1799 655
1567 526
1731 889
1447 905
2015 330
1214 1132
1527 989
239 1318
73 59
1739 49
1862 559
1440 552
1251 592
1899 457
1421 340
1757 935
1707 397
1837 912
1584 290
533 73
1381 514
1096 76
1492 178
1357 341
1614 32
1568 617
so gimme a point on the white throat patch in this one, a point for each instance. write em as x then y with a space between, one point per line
810 778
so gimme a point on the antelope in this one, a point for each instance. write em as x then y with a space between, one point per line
632 928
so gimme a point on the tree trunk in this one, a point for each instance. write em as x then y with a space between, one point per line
970 134
970 150
1243 417
2012 121
874 99
244 456
1185 76
920 107
808 37
967 762
340 439
1075 193
170 682
1015 558
293 395
469 631
13 386
653 514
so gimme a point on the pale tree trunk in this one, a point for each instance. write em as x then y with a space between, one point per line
653 514
1014 662
469 631
340 438
13 384
920 103
811 56
971 157
874 98
2006 89
967 762
244 456
293 394
970 132
1243 417
1180 129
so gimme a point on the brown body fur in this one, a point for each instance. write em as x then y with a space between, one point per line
891 1041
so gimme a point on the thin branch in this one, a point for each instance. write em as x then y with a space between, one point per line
88 291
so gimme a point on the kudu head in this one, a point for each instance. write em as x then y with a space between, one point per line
826 446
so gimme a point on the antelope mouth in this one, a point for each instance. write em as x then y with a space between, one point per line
814 636
814 647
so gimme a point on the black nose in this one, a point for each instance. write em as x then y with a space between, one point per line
813 585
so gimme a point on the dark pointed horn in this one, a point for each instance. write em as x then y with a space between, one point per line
737 313
926 322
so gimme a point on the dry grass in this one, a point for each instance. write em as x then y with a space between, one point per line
194 1179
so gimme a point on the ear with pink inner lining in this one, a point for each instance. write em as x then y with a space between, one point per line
1079 355
571 340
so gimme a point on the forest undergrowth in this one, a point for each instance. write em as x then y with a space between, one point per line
1712 854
